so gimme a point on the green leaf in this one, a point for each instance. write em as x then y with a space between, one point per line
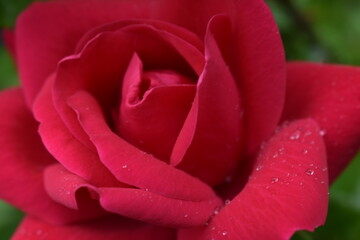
9 220
9 10
8 75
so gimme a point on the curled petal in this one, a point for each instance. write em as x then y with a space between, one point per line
208 145
129 164
74 192
23 159
73 155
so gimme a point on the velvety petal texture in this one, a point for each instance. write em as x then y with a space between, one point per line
46 33
111 228
330 95
23 160
286 192
253 50
138 168
209 143
154 112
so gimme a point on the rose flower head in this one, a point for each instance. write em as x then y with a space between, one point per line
169 120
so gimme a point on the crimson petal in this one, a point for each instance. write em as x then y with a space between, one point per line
287 191
111 228
253 49
129 164
74 192
73 155
208 145
46 33
23 159
331 95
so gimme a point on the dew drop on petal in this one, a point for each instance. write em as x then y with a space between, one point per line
305 151
274 180
322 132
124 166
309 172
224 233
295 135
227 202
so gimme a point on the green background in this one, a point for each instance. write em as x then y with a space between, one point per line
313 30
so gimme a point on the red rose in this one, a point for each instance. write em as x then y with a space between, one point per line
164 113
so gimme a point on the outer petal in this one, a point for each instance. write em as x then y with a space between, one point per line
287 191
331 95
252 47
111 228
208 145
46 31
141 204
23 159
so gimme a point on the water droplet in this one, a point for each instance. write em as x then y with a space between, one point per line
227 202
322 182
324 169
311 164
295 135
267 187
186 215
216 211
258 168
124 166
275 155
224 233
301 183
274 180
322 132
309 172
282 150
305 151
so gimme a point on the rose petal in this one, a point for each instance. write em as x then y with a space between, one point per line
73 155
74 192
330 95
23 159
101 60
129 164
111 228
287 191
46 32
252 48
208 146
145 119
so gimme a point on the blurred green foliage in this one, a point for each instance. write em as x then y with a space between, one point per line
315 30
9 10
